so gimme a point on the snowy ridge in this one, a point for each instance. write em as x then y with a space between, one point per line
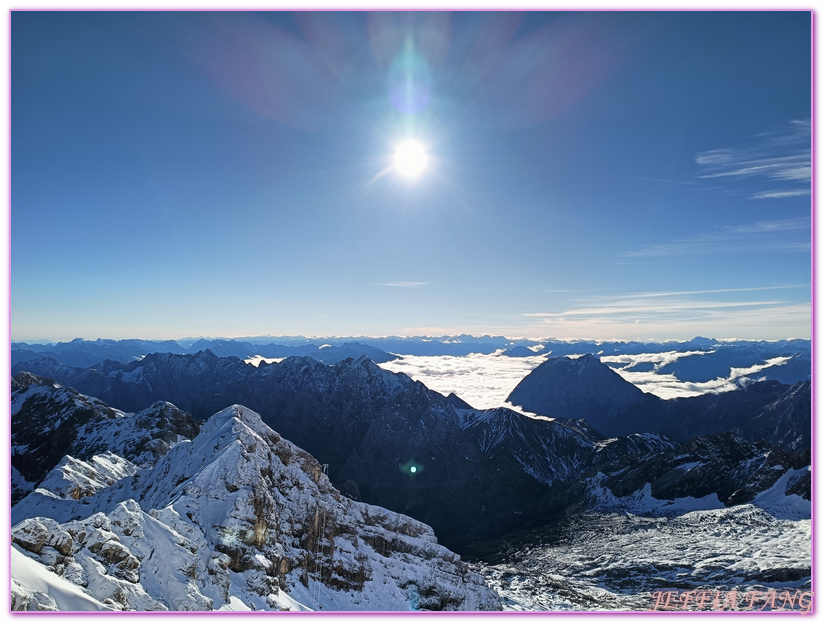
243 519
50 422
75 479
643 502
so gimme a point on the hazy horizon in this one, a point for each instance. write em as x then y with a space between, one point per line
241 338
616 175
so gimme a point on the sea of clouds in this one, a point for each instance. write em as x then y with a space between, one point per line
485 381
669 386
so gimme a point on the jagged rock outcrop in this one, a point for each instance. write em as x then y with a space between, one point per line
722 465
49 422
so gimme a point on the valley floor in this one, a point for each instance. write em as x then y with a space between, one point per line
618 561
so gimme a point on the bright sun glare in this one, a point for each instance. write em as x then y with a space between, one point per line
410 158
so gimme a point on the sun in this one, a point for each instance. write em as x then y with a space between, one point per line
410 158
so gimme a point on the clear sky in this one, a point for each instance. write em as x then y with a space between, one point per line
598 175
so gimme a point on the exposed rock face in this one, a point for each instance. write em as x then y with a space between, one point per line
241 514
49 421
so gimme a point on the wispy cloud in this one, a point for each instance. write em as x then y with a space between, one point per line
403 284
685 185
802 223
663 315
776 158
779 194
778 236
675 306
644 295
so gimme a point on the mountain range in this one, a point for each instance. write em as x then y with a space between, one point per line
390 441
117 462
698 360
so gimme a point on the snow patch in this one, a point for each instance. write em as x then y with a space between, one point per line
32 583
788 506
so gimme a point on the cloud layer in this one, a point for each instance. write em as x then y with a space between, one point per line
484 381
668 386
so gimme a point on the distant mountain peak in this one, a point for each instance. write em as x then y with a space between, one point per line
581 387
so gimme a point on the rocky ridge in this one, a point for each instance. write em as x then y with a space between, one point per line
240 517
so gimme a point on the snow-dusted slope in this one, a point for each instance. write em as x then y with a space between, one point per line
724 466
672 532
49 422
34 587
74 479
238 518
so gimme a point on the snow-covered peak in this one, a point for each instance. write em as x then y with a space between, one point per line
253 520
232 419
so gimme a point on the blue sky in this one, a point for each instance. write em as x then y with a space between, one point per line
598 175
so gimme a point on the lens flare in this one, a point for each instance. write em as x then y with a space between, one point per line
409 83
412 468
